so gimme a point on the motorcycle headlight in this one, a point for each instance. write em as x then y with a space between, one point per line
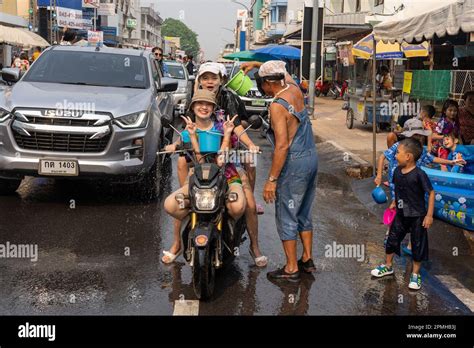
205 199
4 115
136 120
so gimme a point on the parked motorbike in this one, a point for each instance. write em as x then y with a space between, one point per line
338 90
322 87
265 123
210 236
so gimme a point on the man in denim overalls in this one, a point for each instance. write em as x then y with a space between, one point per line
291 183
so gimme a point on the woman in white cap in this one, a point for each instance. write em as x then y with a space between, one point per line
210 78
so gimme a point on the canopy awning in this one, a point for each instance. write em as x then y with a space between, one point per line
21 37
447 20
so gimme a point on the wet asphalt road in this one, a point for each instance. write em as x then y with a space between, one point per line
84 268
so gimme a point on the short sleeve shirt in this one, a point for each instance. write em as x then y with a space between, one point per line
390 154
410 190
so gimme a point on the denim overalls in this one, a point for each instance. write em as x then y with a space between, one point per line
296 185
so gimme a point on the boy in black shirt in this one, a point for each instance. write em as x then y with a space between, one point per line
411 185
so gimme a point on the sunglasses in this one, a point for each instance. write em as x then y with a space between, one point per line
158 55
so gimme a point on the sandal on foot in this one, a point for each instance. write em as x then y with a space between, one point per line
260 261
170 256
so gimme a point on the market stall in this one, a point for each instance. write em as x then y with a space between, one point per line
361 98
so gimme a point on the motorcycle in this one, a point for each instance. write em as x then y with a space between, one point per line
337 90
210 236
322 87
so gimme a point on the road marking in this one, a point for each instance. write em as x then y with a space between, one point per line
464 295
186 307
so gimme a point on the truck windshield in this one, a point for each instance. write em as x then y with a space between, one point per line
90 68
176 71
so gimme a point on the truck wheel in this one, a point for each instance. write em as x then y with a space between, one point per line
9 187
150 187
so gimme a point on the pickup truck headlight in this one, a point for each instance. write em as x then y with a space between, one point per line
4 115
181 90
136 120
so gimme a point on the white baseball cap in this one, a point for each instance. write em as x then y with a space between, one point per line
209 67
222 69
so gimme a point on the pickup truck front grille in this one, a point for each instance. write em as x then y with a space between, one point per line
61 142
86 133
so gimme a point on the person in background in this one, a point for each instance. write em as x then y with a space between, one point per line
458 152
446 125
22 62
158 54
36 53
190 65
384 79
466 119
69 37
426 116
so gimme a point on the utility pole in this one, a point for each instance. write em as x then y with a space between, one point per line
314 43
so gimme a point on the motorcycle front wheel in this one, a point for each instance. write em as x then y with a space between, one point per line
204 273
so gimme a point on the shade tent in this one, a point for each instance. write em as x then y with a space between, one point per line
455 16
281 51
21 37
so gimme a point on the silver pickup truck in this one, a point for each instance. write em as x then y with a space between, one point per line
84 112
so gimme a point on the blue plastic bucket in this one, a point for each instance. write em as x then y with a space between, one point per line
209 141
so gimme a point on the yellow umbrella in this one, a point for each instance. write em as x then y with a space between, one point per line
417 50
365 48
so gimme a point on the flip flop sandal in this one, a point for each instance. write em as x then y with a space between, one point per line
170 256
260 261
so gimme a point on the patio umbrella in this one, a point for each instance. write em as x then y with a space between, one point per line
247 56
416 50
281 52
364 49
21 37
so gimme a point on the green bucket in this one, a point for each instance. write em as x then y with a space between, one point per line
240 83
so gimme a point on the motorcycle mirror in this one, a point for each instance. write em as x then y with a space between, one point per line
166 122
255 121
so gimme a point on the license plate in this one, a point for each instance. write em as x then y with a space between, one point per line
258 102
58 167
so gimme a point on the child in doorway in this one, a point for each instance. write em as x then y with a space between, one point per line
411 184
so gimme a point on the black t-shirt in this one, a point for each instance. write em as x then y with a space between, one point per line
410 192
232 105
